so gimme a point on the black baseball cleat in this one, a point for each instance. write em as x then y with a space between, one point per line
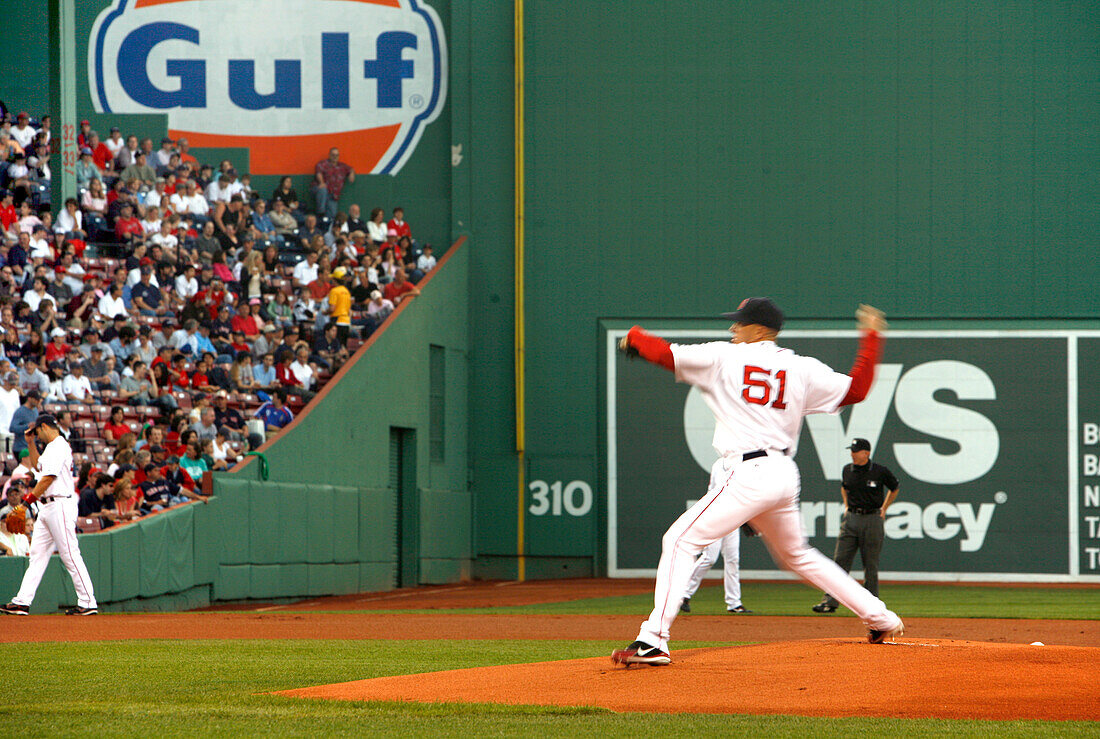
685 605
824 607
14 609
81 611
640 653
876 636
738 609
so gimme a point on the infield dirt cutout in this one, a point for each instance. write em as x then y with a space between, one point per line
911 678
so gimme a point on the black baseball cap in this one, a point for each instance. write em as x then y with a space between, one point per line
44 419
761 311
860 445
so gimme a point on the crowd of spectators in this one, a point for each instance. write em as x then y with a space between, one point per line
170 316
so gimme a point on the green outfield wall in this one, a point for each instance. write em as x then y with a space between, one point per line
934 159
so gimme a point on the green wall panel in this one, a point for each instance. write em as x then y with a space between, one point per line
180 548
375 576
154 542
279 581
320 578
265 525
232 524
96 551
11 576
320 511
207 520
233 582
51 590
377 526
126 562
445 525
333 579
345 578
345 531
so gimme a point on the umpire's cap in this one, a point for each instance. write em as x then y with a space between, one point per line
44 419
860 445
761 311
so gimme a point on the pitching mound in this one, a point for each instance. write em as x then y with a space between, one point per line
912 678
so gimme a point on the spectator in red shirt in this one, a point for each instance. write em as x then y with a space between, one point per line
128 228
115 427
57 348
329 178
397 223
212 297
245 322
283 375
8 214
101 155
396 291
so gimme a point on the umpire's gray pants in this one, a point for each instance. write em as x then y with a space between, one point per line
862 532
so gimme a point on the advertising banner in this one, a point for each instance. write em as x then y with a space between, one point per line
284 78
999 478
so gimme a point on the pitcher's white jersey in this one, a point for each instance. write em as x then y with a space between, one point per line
758 391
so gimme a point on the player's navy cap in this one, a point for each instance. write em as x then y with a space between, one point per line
761 311
860 445
44 419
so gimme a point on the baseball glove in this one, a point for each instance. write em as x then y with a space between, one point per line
16 520
748 530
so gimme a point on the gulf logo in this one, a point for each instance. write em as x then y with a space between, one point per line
287 79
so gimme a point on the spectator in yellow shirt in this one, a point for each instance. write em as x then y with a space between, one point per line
339 305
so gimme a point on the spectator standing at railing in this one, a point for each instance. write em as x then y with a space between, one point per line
23 418
330 176
9 399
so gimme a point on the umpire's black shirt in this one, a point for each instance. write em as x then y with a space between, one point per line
867 485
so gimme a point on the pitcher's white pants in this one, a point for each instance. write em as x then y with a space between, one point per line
55 530
763 491
730 548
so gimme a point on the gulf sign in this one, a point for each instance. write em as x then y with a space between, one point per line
287 79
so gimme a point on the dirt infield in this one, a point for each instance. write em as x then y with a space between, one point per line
908 679
306 625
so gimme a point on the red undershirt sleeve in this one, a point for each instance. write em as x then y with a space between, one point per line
863 369
652 348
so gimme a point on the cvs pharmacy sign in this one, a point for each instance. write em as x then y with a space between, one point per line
287 79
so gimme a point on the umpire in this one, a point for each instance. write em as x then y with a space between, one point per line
868 490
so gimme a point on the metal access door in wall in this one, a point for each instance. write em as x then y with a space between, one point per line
403 482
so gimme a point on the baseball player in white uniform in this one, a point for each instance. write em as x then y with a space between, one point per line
758 392
729 546
55 528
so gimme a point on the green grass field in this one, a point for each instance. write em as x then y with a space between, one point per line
218 688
